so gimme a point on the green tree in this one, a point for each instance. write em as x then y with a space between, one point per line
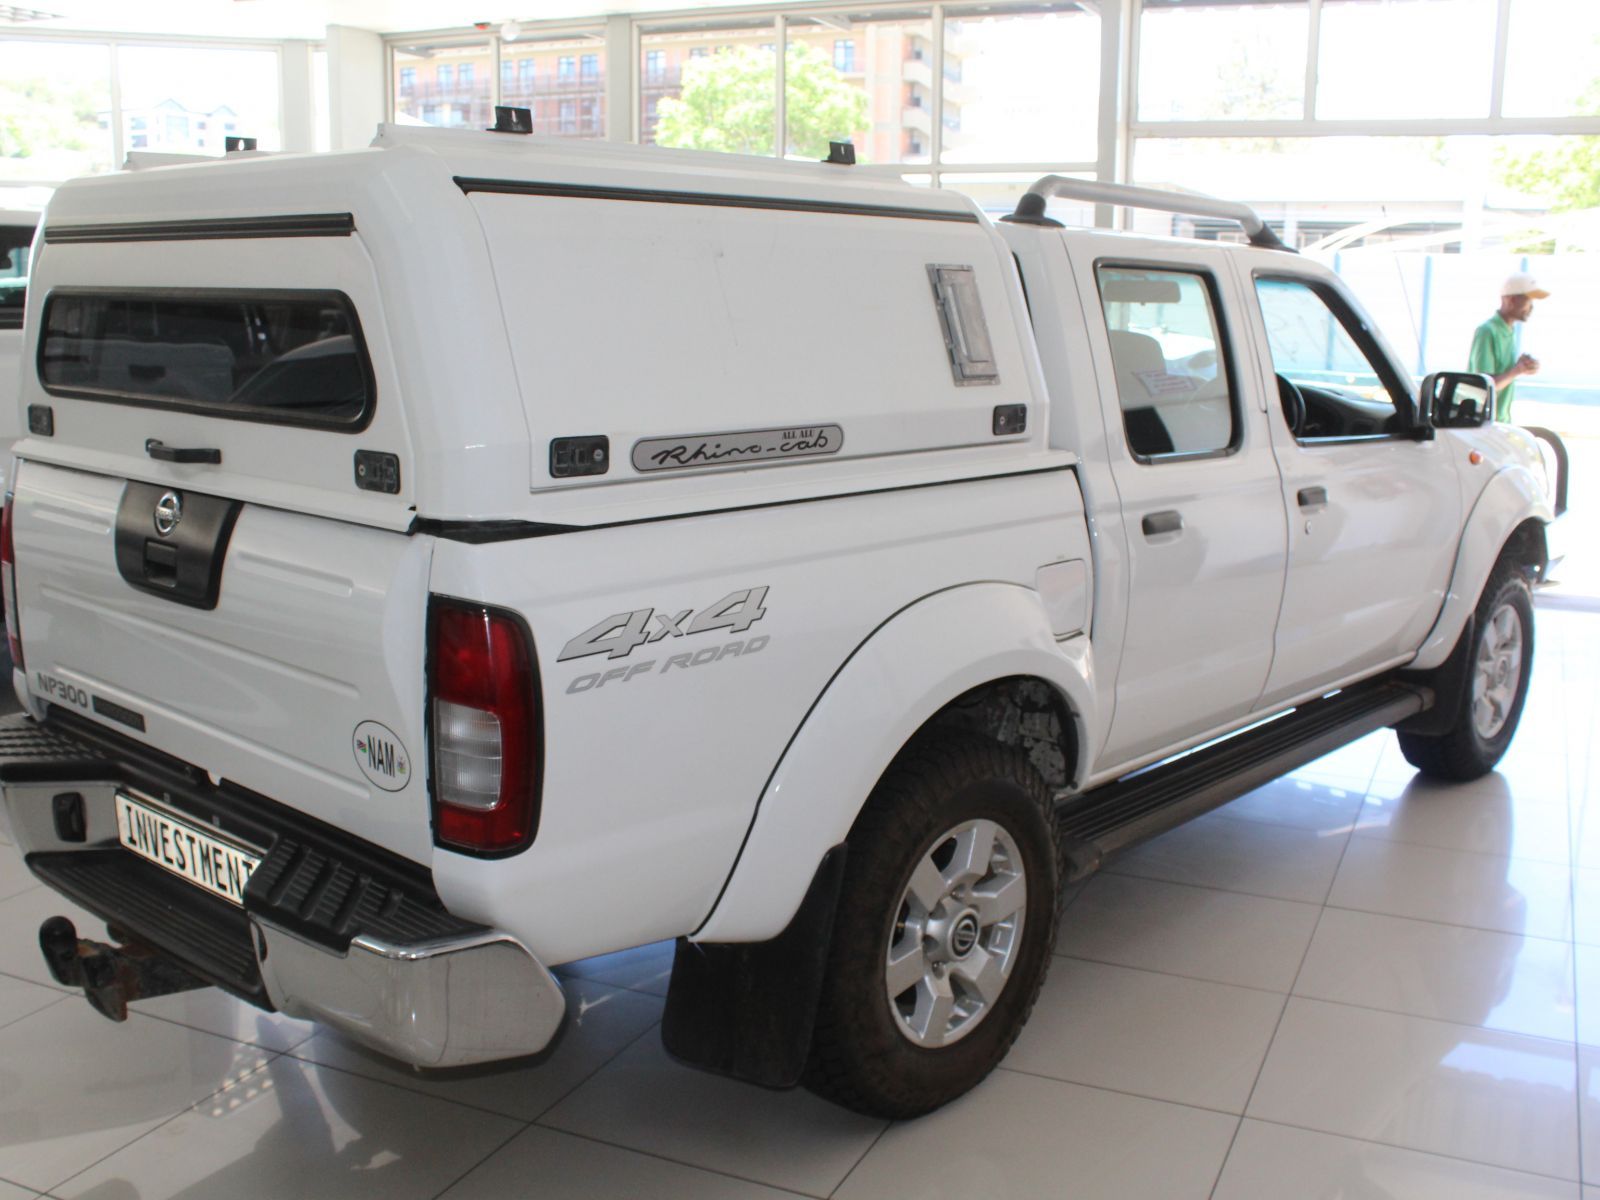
36 115
728 103
1568 173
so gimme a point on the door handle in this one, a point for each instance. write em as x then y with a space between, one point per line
1313 497
1157 523
186 454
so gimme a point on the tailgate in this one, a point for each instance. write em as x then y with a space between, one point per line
303 682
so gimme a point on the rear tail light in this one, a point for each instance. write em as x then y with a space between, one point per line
486 752
8 583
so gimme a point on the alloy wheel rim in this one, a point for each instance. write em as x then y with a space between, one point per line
1497 671
956 934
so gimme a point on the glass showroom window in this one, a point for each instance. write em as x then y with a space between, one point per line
561 81
859 87
1368 64
188 100
445 84
1021 84
1553 59
55 110
722 98
1226 60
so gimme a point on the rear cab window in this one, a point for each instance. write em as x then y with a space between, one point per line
15 250
290 358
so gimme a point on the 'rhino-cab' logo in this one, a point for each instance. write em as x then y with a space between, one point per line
169 511
380 756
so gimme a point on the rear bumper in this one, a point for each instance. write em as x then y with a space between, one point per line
332 929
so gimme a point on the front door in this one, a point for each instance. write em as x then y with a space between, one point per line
1201 505
1374 513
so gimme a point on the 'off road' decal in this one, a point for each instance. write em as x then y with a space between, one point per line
381 756
620 634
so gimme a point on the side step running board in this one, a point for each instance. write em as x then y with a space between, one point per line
1094 825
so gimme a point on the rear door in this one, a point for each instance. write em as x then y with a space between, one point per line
1199 490
202 562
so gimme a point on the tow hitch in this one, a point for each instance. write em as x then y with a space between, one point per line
110 976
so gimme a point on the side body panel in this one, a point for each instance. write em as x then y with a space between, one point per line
927 655
655 757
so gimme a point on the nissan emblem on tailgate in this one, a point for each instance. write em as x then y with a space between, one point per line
169 511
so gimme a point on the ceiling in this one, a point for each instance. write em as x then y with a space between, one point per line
309 18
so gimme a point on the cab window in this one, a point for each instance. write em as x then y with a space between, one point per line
1329 384
1172 376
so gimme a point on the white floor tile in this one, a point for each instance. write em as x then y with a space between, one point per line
601 1021
1586 905
1478 1094
10 1191
1226 937
1447 972
1353 764
558 1166
1300 802
1512 895
1481 821
1022 1138
1241 856
75 1086
1589 1111
645 969
1586 971
1274 1162
14 874
644 1101
18 998
1183 1040
294 1129
212 1010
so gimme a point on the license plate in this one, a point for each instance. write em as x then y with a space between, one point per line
150 831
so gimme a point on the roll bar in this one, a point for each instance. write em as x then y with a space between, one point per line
1030 209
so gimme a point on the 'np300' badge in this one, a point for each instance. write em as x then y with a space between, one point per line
381 757
169 511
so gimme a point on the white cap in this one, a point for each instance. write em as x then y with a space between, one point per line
1523 284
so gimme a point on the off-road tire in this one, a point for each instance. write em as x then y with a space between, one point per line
859 1056
1464 753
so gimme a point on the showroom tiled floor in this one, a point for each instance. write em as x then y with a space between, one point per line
1346 984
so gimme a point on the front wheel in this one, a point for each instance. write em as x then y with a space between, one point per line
1495 689
945 926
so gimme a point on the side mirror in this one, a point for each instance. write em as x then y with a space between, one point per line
1456 400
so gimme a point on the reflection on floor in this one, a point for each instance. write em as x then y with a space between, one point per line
1347 984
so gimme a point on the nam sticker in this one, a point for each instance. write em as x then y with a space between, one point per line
381 756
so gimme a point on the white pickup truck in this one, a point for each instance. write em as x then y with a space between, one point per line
432 564
17 227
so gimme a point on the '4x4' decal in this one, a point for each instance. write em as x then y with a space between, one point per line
622 633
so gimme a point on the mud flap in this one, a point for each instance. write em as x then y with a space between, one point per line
747 1010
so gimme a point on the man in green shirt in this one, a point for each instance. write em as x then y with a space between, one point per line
1494 344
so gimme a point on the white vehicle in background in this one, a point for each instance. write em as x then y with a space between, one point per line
17 228
433 564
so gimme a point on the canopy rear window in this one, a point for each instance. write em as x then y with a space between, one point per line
293 358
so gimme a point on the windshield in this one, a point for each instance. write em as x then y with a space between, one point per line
15 241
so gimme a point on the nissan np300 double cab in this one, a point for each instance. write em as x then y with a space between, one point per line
435 563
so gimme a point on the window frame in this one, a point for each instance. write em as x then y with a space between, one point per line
1208 279
356 424
1359 330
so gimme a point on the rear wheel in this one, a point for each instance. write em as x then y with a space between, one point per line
1495 688
945 924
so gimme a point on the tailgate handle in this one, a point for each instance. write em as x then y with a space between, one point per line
182 454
